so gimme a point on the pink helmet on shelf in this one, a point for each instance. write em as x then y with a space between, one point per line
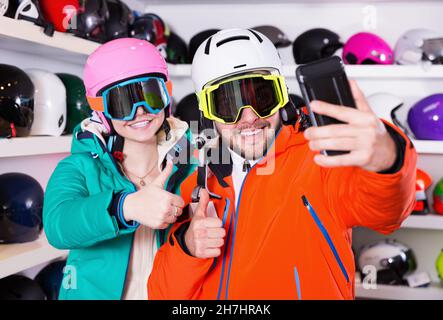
367 48
116 61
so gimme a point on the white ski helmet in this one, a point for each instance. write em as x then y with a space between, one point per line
409 47
233 51
49 103
385 105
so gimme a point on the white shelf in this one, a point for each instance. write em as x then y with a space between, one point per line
353 71
433 292
19 257
24 36
428 146
28 146
429 222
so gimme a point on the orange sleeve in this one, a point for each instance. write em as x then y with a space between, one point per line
374 200
175 274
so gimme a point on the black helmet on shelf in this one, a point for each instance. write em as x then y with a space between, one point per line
119 20
91 20
8 7
315 44
187 110
50 279
21 205
152 28
16 101
18 287
198 39
276 35
176 50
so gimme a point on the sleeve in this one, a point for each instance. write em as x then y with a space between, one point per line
379 201
73 218
176 275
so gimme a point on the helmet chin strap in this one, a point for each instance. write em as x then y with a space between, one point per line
291 114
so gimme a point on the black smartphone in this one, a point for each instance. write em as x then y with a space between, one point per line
325 80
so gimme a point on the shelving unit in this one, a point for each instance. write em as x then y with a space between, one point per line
28 146
386 292
428 222
24 36
19 257
428 147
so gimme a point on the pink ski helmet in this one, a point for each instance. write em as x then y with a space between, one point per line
367 48
118 60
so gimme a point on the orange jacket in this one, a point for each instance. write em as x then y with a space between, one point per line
276 248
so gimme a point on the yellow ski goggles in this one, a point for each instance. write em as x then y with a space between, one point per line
264 94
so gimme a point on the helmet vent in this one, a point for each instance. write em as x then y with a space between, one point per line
208 44
256 35
240 66
222 42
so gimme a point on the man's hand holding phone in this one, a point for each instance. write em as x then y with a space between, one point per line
363 134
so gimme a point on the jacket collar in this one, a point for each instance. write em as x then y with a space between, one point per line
90 137
286 138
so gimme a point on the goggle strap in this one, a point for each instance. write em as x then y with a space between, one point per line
96 103
169 87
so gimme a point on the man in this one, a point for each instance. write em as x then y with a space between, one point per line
285 212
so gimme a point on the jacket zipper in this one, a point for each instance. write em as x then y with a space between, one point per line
225 215
325 235
297 283
236 217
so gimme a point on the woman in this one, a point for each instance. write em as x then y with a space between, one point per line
107 201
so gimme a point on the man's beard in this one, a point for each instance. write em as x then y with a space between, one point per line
253 154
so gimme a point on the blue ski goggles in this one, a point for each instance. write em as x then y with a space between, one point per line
120 102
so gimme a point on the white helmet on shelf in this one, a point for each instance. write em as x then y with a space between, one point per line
233 51
409 48
49 103
385 105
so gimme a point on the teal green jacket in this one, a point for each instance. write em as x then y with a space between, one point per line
76 216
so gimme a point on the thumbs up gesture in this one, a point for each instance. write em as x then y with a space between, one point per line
205 235
152 206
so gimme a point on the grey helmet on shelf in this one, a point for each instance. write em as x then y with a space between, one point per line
276 35
392 260
91 20
419 46
119 20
